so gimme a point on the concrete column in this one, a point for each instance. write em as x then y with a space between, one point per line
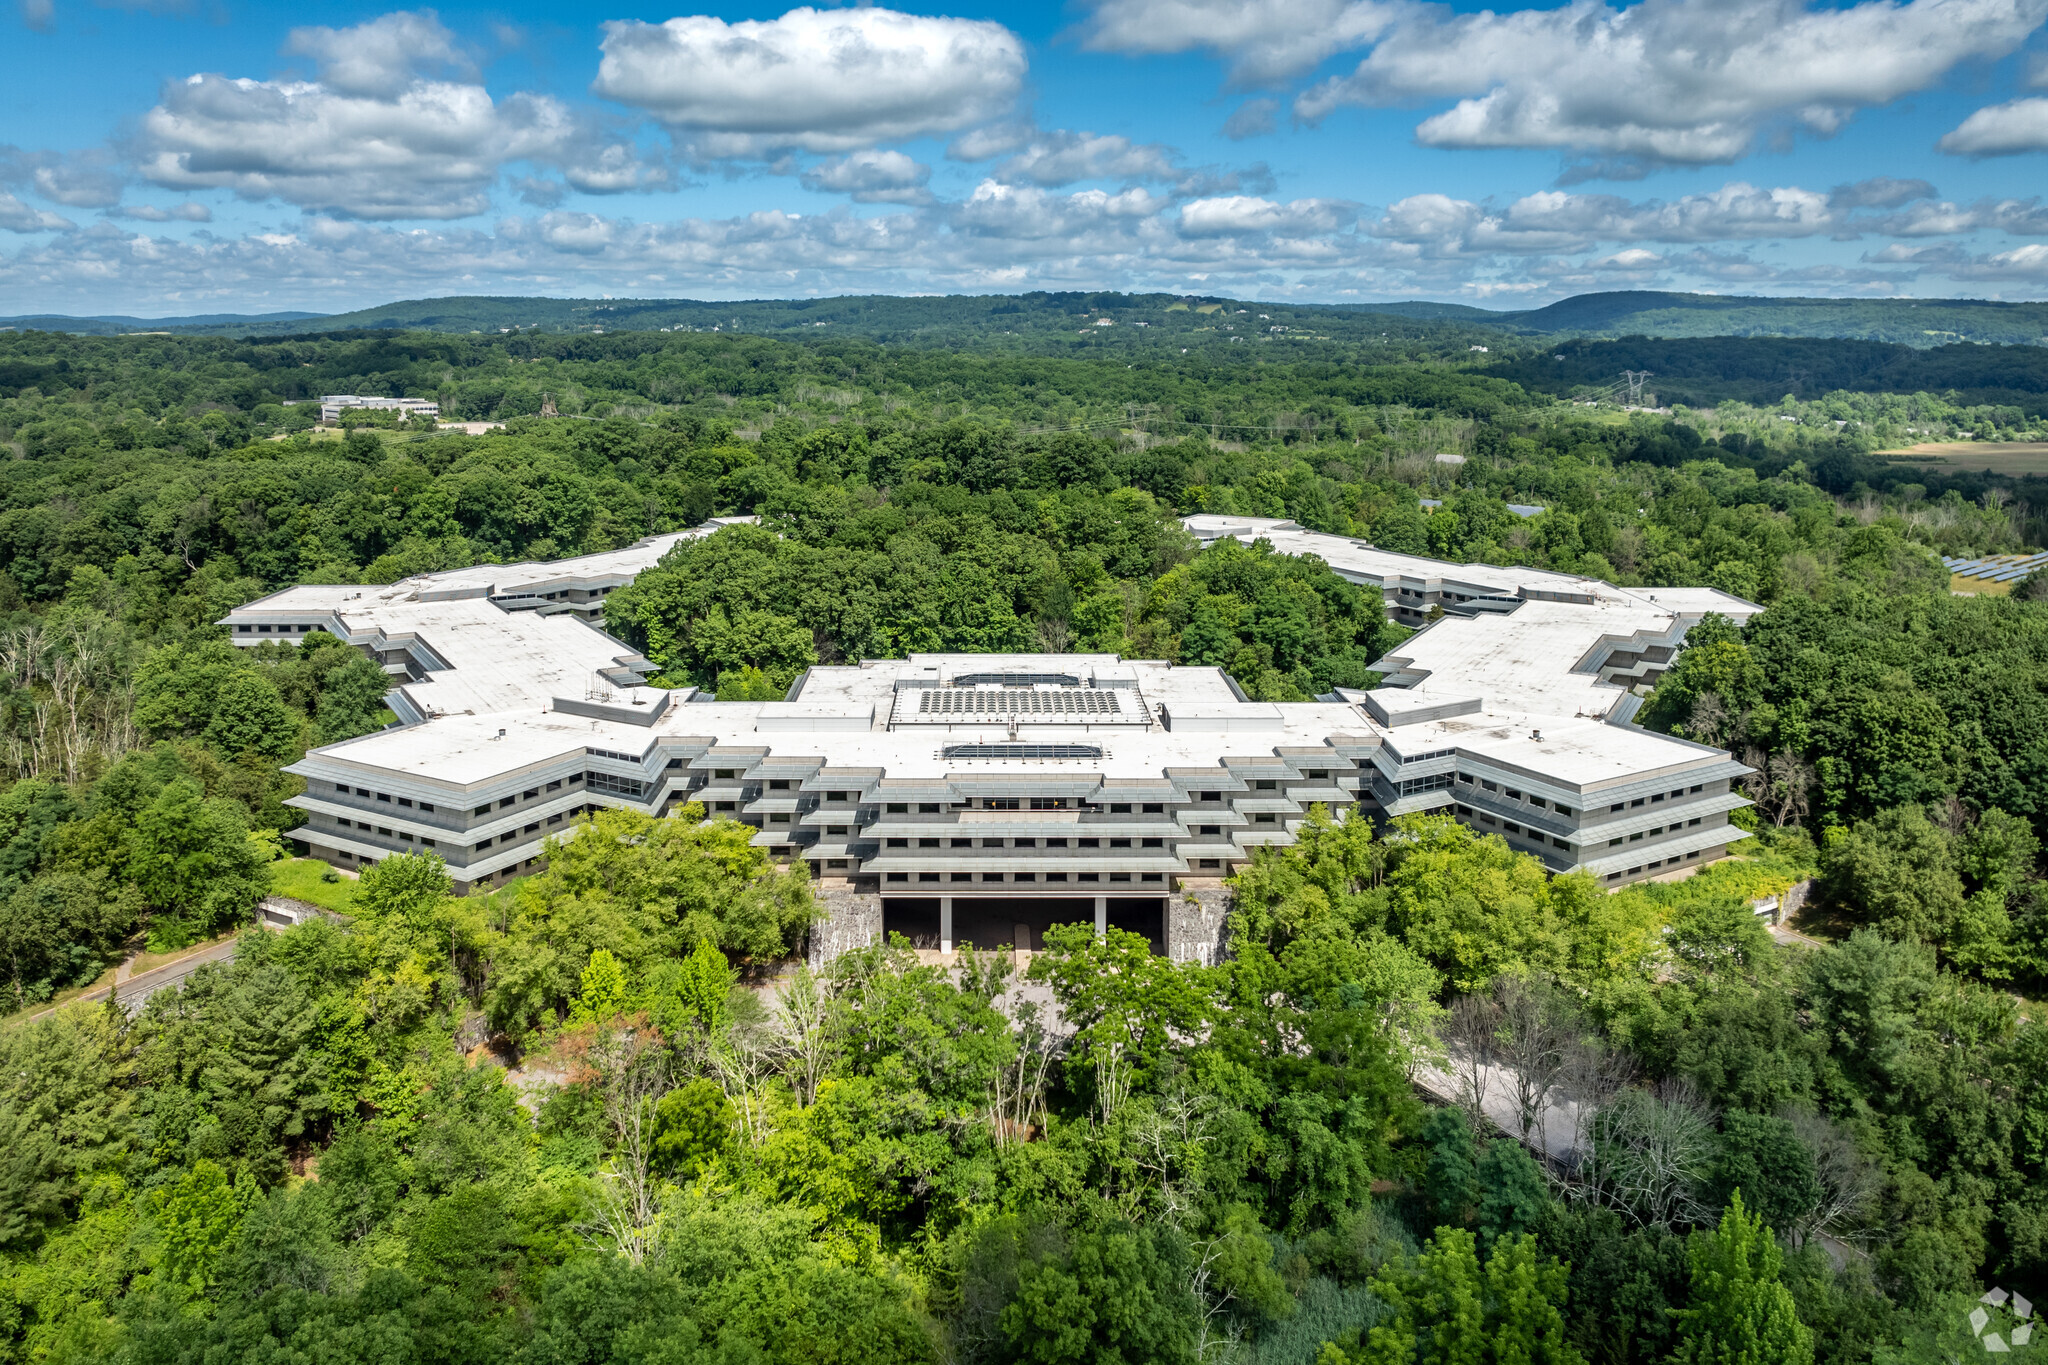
945 924
1101 916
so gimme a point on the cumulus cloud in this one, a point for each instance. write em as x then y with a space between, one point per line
87 182
373 137
1238 214
186 212
2001 130
992 140
430 152
1008 235
1253 118
1062 158
1264 40
82 180
1026 213
381 58
1879 192
872 177
821 81
1665 81
16 216
1002 237
1557 221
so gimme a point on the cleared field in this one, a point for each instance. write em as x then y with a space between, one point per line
2000 457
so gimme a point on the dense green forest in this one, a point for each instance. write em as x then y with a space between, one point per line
1907 322
597 1116
1704 372
988 319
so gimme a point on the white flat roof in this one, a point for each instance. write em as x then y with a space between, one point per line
1527 660
1357 558
466 749
514 685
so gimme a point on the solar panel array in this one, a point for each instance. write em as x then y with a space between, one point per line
1997 568
972 702
961 751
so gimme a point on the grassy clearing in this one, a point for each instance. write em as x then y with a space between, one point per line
300 878
1998 457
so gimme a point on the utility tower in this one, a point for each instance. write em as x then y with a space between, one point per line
1635 380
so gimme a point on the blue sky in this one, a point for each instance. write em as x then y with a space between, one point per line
212 155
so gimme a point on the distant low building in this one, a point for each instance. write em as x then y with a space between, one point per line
334 404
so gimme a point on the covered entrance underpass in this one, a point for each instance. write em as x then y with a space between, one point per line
946 922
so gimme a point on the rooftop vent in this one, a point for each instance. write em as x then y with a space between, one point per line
961 751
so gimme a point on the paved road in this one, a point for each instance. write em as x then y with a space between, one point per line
1555 1132
136 989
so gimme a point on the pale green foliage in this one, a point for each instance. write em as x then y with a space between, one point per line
1740 1313
196 1220
602 994
1450 1311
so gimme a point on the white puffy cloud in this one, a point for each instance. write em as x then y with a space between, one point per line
431 152
1022 236
85 179
81 182
1238 214
1264 40
819 80
1553 221
872 177
1937 218
381 58
1025 213
2001 130
16 216
1062 158
373 137
1686 81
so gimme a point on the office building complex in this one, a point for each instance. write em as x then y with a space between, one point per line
332 406
982 798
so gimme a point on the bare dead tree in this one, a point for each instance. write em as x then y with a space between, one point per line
1791 779
1594 1075
1017 1093
1168 1140
810 1032
1650 1155
1709 719
1218 1335
1849 1183
632 1073
1471 1036
744 1059
1536 1033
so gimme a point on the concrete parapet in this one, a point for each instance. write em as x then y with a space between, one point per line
1195 920
852 919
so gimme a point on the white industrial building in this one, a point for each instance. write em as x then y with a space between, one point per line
334 404
981 798
1413 585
